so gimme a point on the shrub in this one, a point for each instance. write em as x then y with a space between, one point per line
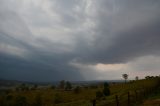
77 89
23 87
57 99
35 86
106 91
68 86
9 97
93 86
7 91
53 87
99 94
106 85
38 100
20 101
62 84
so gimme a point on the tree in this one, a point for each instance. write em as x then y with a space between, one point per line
106 90
77 89
38 100
99 94
35 86
68 86
24 87
20 101
58 98
125 76
149 77
106 85
52 87
62 84
136 78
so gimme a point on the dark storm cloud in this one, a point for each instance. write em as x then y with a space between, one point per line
130 44
40 40
38 64
16 68
131 32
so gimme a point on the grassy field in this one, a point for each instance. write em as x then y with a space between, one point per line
59 97
153 99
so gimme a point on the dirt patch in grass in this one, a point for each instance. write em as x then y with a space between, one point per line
151 102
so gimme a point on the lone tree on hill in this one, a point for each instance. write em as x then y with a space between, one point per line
125 76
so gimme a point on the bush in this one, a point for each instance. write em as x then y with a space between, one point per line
38 100
106 91
53 87
77 89
9 97
57 99
23 87
68 86
7 91
20 101
17 89
35 86
62 84
99 94
93 86
2 101
106 85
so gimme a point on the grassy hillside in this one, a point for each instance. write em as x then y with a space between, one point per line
153 99
84 96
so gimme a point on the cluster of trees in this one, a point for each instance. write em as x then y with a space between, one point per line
125 76
65 85
149 77
24 87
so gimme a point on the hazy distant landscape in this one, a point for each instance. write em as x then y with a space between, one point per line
79 53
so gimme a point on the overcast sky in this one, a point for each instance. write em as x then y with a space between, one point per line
47 40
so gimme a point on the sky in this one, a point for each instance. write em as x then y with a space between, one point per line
52 40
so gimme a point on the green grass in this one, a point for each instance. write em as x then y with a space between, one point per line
153 99
155 94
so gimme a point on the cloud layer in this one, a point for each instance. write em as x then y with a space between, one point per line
78 40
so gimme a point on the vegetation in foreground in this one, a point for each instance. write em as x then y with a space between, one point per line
65 94
153 99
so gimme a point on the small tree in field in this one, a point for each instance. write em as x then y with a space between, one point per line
106 90
125 76
136 78
77 90
99 94
58 99
20 101
38 100
68 86
62 84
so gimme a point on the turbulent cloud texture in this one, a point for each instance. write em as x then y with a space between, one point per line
46 40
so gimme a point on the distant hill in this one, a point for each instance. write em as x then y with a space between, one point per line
10 83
